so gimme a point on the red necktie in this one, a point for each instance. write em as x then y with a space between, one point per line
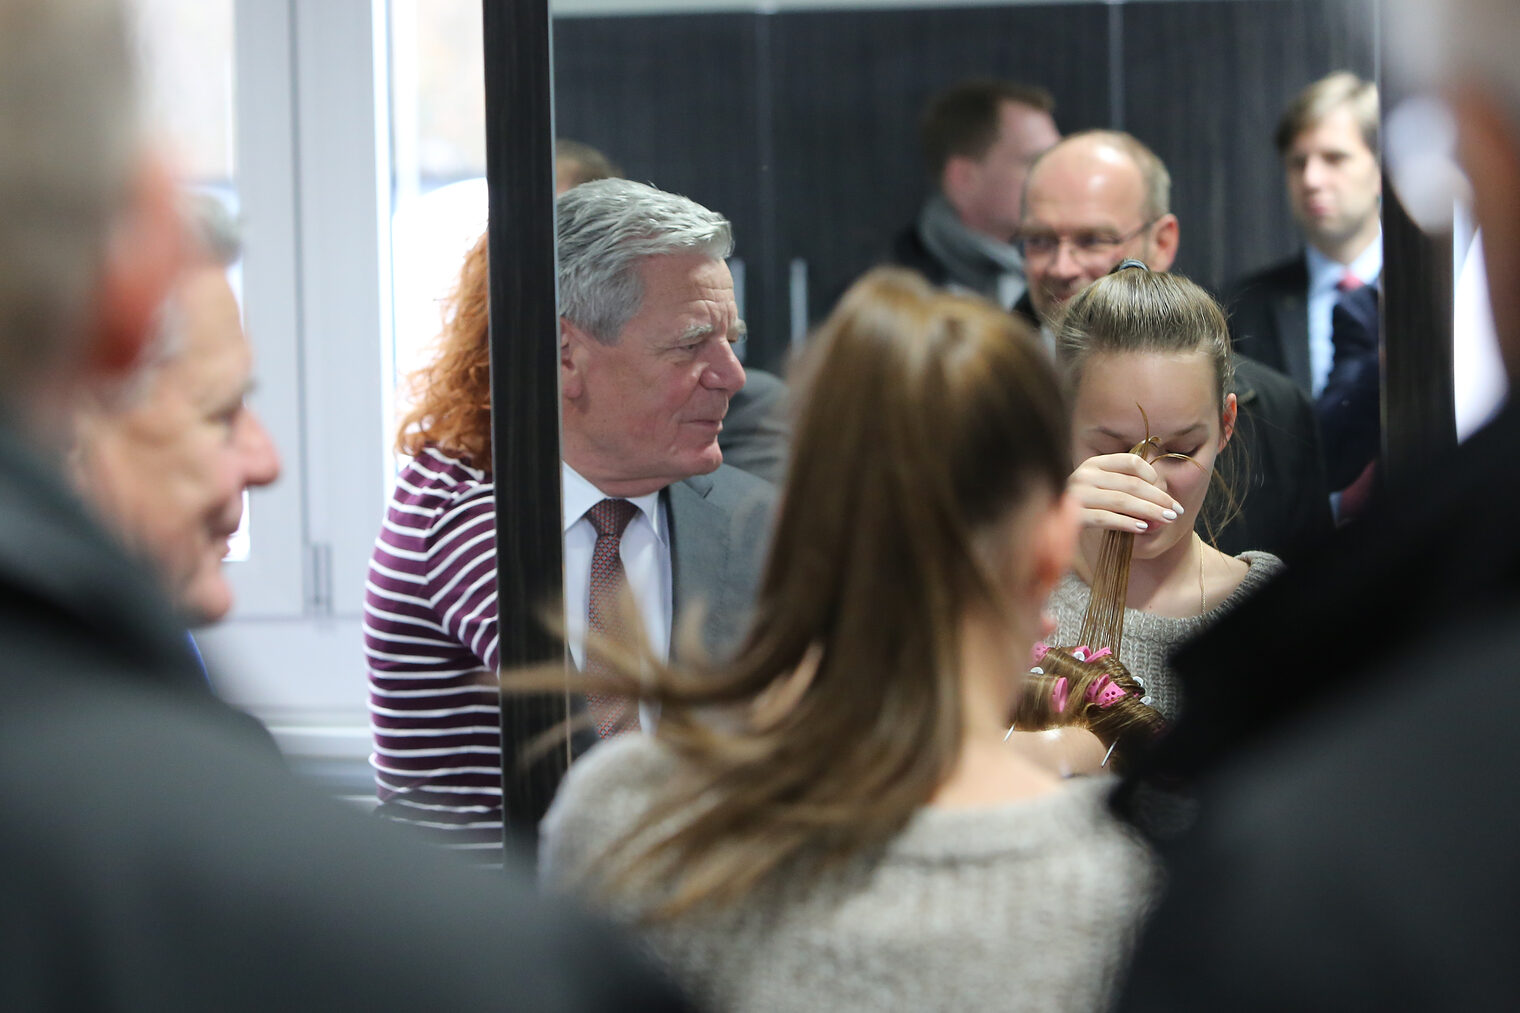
1349 282
613 715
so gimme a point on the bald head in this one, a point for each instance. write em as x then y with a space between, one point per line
1091 201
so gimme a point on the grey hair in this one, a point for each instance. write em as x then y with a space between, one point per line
213 232
215 243
70 138
606 228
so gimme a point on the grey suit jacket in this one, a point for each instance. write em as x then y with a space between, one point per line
1269 318
719 532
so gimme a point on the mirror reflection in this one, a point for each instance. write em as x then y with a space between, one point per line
1188 145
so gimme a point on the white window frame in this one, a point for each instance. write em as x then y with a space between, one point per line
313 178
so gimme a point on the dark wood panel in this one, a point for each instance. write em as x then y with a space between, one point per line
849 90
524 385
1205 83
677 101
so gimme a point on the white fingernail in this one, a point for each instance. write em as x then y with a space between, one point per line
1178 507
1170 515
1142 525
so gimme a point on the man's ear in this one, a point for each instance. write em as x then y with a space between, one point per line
1227 420
572 365
145 255
1166 236
959 179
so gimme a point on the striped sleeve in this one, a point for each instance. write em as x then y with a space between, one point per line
431 651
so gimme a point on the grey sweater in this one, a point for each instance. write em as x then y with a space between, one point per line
1149 639
1024 906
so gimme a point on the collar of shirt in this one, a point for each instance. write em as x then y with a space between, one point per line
580 496
1325 274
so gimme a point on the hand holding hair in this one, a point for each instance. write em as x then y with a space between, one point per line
1121 492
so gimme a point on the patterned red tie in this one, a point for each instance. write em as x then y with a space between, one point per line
613 715
1349 282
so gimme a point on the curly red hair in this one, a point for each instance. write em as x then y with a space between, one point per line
452 409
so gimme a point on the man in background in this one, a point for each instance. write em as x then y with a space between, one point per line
757 429
1314 316
155 854
167 456
1101 196
1328 143
648 324
979 138
1355 842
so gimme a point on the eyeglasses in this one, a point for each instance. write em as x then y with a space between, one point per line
1086 247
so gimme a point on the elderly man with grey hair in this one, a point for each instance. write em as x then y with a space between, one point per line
1356 839
647 369
155 854
167 457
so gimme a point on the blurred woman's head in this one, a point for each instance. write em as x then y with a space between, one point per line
925 487
1138 340
928 421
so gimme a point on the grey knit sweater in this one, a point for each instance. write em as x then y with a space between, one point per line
1149 639
1023 906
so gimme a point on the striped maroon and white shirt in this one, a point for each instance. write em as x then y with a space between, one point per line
431 647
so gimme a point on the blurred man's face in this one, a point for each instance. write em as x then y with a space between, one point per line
1334 184
988 198
169 472
646 410
1083 214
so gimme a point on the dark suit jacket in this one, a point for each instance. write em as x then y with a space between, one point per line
1277 472
1350 739
1269 318
156 855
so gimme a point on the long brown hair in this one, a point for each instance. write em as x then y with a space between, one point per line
925 420
453 392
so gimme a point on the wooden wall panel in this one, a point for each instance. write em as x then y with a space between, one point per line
850 87
676 101
1205 83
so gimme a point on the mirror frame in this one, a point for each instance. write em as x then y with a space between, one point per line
1418 398
525 427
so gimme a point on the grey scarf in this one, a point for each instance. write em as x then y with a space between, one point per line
973 261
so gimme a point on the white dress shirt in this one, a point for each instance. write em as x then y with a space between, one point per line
1324 275
645 550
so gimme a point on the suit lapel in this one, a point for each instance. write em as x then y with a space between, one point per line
699 547
1291 311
